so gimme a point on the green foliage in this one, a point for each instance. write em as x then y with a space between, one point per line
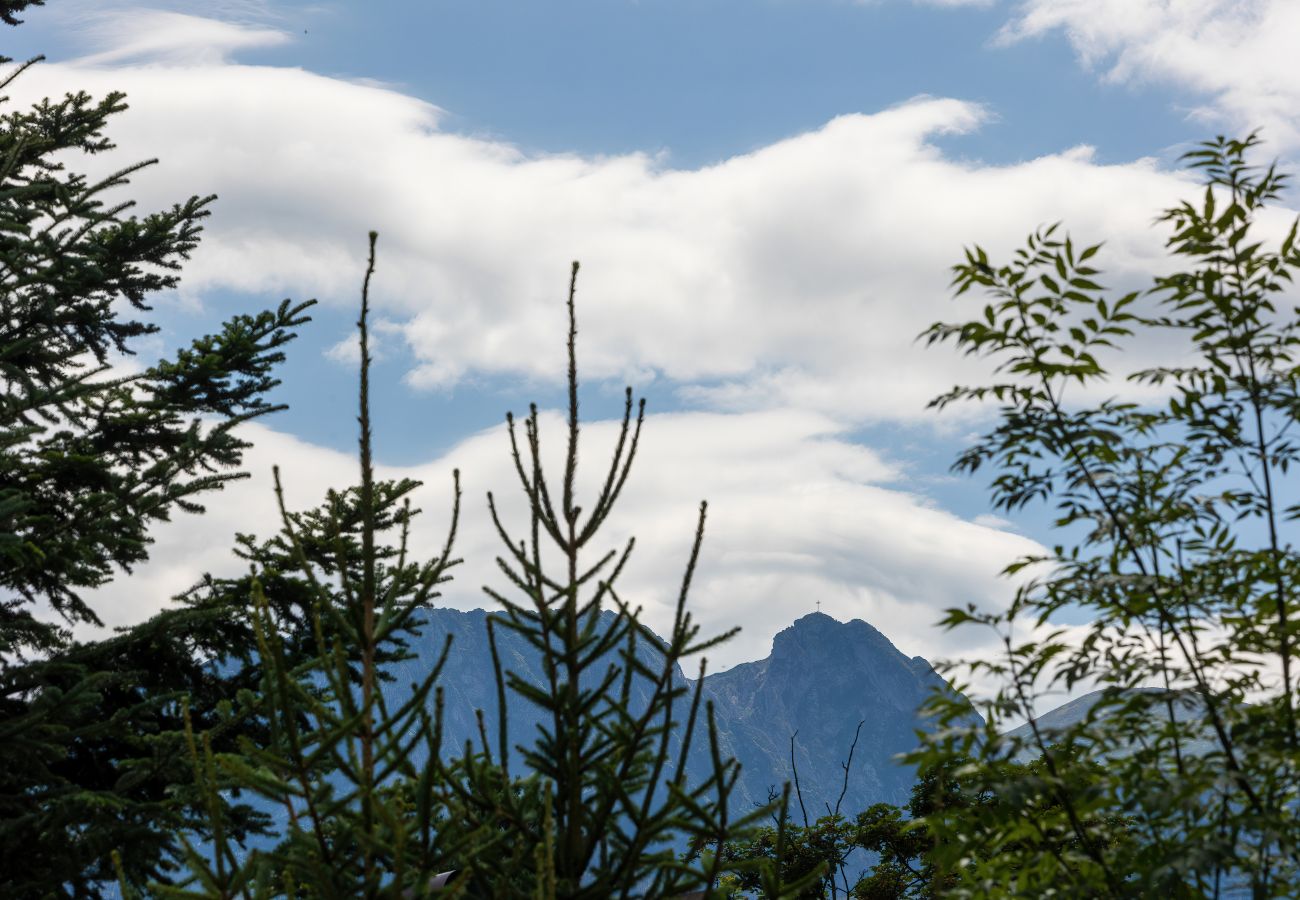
91 457
912 861
1177 511
91 749
94 752
810 858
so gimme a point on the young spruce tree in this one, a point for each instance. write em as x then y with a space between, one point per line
610 762
371 803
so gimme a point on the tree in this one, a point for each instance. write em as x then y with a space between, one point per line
909 861
913 858
814 856
9 10
373 804
1174 512
617 802
330 605
91 748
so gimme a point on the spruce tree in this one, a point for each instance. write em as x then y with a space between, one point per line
9 10
332 602
370 801
91 755
617 803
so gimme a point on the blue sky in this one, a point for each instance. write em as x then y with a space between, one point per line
765 196
702 80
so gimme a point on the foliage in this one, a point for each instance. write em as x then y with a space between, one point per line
908 862
9 10
1176 511
814 856
91 454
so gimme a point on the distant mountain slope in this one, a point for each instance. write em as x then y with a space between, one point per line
469 684
821 679
1058 720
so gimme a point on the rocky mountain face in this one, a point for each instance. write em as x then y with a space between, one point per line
822 678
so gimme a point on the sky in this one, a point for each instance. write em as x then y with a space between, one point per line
765 196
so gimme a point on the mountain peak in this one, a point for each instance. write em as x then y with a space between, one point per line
819 637
822 678
815 618
819 620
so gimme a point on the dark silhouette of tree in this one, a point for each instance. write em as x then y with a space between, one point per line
91 750
9 10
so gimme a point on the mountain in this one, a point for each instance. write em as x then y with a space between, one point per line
822 678
469 684
1057 721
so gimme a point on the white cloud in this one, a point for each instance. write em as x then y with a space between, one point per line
797 515
795 275
171 37
991 521
1240 54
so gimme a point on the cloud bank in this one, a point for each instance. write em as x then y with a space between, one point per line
175 38
794 275
797 515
